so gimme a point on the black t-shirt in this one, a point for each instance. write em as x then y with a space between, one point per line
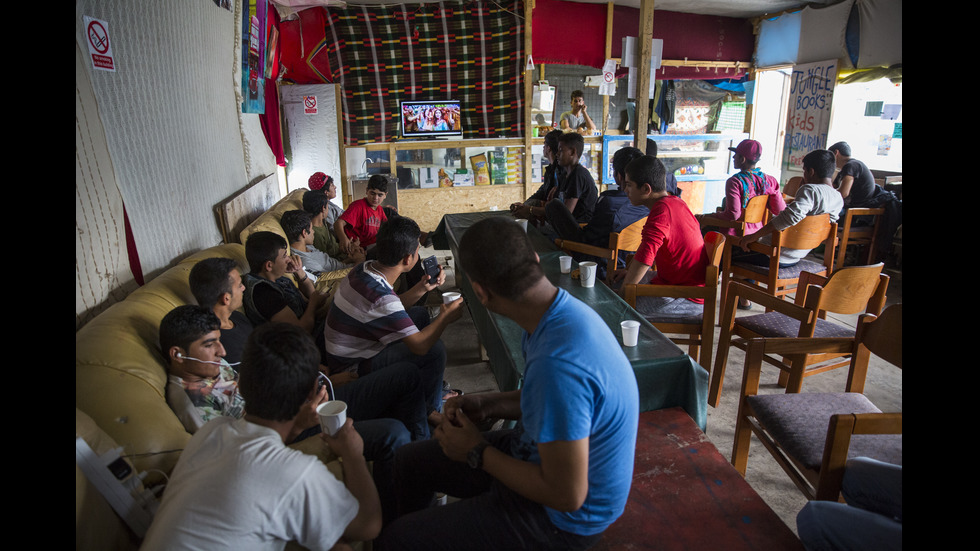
863 189
234 339
579 183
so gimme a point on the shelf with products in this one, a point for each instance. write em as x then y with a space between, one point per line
700 162
440 176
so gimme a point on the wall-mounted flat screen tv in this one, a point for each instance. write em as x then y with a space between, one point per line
428 119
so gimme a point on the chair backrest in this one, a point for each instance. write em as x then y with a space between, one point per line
810 232
714 245
847 291
793 185
756 210
883 336
628 239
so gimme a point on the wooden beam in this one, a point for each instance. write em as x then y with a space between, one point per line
644 37
528 96
609 33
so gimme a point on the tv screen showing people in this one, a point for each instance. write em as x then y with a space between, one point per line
431 119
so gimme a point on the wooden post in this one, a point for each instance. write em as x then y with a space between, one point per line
644 36
609 32
528 96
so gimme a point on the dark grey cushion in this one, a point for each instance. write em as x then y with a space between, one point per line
799 423
789 272
774 324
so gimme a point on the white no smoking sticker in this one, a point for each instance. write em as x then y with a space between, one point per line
99 46
309 105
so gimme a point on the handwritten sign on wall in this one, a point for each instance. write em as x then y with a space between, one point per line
811 93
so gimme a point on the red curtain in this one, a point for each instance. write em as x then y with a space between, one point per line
573 33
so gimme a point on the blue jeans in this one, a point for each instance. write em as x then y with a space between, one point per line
871 519
488 516
394 392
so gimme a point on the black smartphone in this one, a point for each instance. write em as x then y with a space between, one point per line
321 381
431 266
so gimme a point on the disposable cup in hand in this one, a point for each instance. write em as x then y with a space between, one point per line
332 415
631 332
450 296
566 264
586 272
523 223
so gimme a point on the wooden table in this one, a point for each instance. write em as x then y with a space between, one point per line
666 375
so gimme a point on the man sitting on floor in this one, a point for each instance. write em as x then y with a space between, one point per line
236 484
368 326
216 283
613 213
671 239
560 478
298 225
269 294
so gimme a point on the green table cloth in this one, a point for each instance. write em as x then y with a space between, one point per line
666 376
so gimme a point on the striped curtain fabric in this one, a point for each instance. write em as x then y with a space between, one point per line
467 51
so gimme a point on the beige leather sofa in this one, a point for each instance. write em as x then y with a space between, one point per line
120 376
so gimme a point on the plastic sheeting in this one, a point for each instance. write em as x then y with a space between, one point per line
779 41
881 33
822 32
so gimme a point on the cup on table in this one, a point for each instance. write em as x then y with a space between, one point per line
523 223
450 296
332 414
566 264
631 332
586 272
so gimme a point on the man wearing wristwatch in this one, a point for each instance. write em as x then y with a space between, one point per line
563 474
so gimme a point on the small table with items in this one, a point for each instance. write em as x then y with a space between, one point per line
666 376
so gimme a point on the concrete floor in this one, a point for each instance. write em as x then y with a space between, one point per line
466 371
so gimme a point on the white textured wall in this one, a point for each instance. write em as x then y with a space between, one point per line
175 142
172 120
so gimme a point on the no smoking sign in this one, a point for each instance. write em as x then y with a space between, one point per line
309 105
99 46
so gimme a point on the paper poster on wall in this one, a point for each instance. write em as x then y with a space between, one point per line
810 97
884 144
897 132
253 56
309 105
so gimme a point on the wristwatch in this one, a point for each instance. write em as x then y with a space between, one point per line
475 456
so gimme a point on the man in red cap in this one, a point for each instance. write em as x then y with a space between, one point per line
748 183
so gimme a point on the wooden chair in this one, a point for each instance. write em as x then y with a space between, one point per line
755 212
812 435
626 240
792 186
700 331
848 291
809 233
858 235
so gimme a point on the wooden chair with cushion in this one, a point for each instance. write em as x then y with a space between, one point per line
848 291
863 235
700 330
812 435
809 233
755 212
626 240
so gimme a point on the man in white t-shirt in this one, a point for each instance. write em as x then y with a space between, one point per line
237 485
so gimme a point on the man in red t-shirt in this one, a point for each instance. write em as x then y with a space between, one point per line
671 240
360 222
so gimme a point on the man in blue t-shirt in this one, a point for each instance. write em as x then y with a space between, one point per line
563 475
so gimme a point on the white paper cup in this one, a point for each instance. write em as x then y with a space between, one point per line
523 223
566 264
631 332
450 296
586 272
332 414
